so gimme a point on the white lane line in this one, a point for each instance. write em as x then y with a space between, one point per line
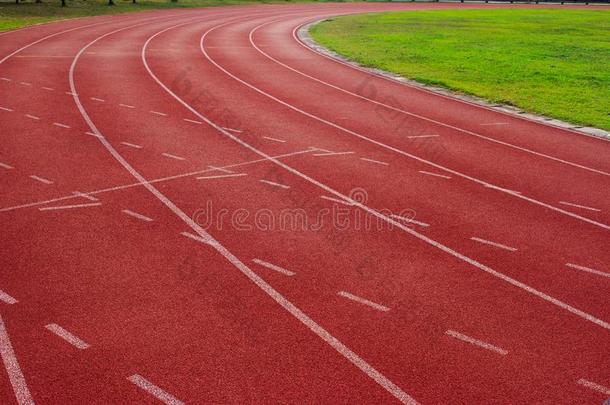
423 136
222 176
274 267
220 169
588 270
410 220
7 299
374 161
126 105
363 301
494 123
138 216
6 79
434 174
20 387
57 124
191 121
41 179
313 148
504 190
333 153
48 88
274 139
5 166
95 135
70 93
25 83
67 336
169 155
594 386
32 117
158 113
239 131
6 109
153 390
274 184
83 195
584 207
101 100
197 238
324 197
476 342
68 207
498 245
132 145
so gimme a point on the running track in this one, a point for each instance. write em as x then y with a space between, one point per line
150 166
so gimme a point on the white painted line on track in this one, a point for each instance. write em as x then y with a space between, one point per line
5 166
69 207
126 105
594 386
434 174
344 202
6 79
334 153
222 176
25 83
20 387
100 100
57 124
239 131
274 139
6 109
138 216
220 169
41 179
154 390
95 135
504 190
494 123
410 220
374 161
588 270
83 195
208 241
69 93
7 299
158 113
363 301
169 155
476 342
67 336
584 207
132 145
32 117
48 88
498 245
192 121
273 267
423 136
274 184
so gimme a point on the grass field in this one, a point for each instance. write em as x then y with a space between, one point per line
552 62
28 13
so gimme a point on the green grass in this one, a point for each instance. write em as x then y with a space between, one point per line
28 13
552 62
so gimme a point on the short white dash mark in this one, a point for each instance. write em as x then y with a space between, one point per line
20 387
434 174
7 299
6 109
324 197
374 161
153 390
410 220
48 88
84 195
158 113
274 184
222 176
584 207
273 267
197 238
274 139
363 301
168 155
476 342
41 179
422 136
70 93
220 169
138 216
99 100
192 121
6 79
333 153
57 124
490 243
5 166
594 386
588 270
32 117
132 145
93 134
67 336
25 83
69 207
239 131
126 105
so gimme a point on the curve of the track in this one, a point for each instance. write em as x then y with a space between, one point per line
153 171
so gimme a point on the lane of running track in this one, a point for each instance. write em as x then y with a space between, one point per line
153 301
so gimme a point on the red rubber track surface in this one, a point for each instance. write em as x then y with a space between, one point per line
494 289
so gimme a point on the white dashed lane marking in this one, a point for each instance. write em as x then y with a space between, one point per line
333 153
158 113
67 336
434 174
422 136
169 155
6 79
410 220
498 245
594 386
69 207
48 88
153 390
274 139
239 131
138 216
6 109
41 179
222 176
57 124
5 166
132 145
588 270
6 298
32 117
274 184
126 105
100 100
476 342
191 121
584 207
273 267
84 195
363 301
374 161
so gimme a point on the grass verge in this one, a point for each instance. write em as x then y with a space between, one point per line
551 62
